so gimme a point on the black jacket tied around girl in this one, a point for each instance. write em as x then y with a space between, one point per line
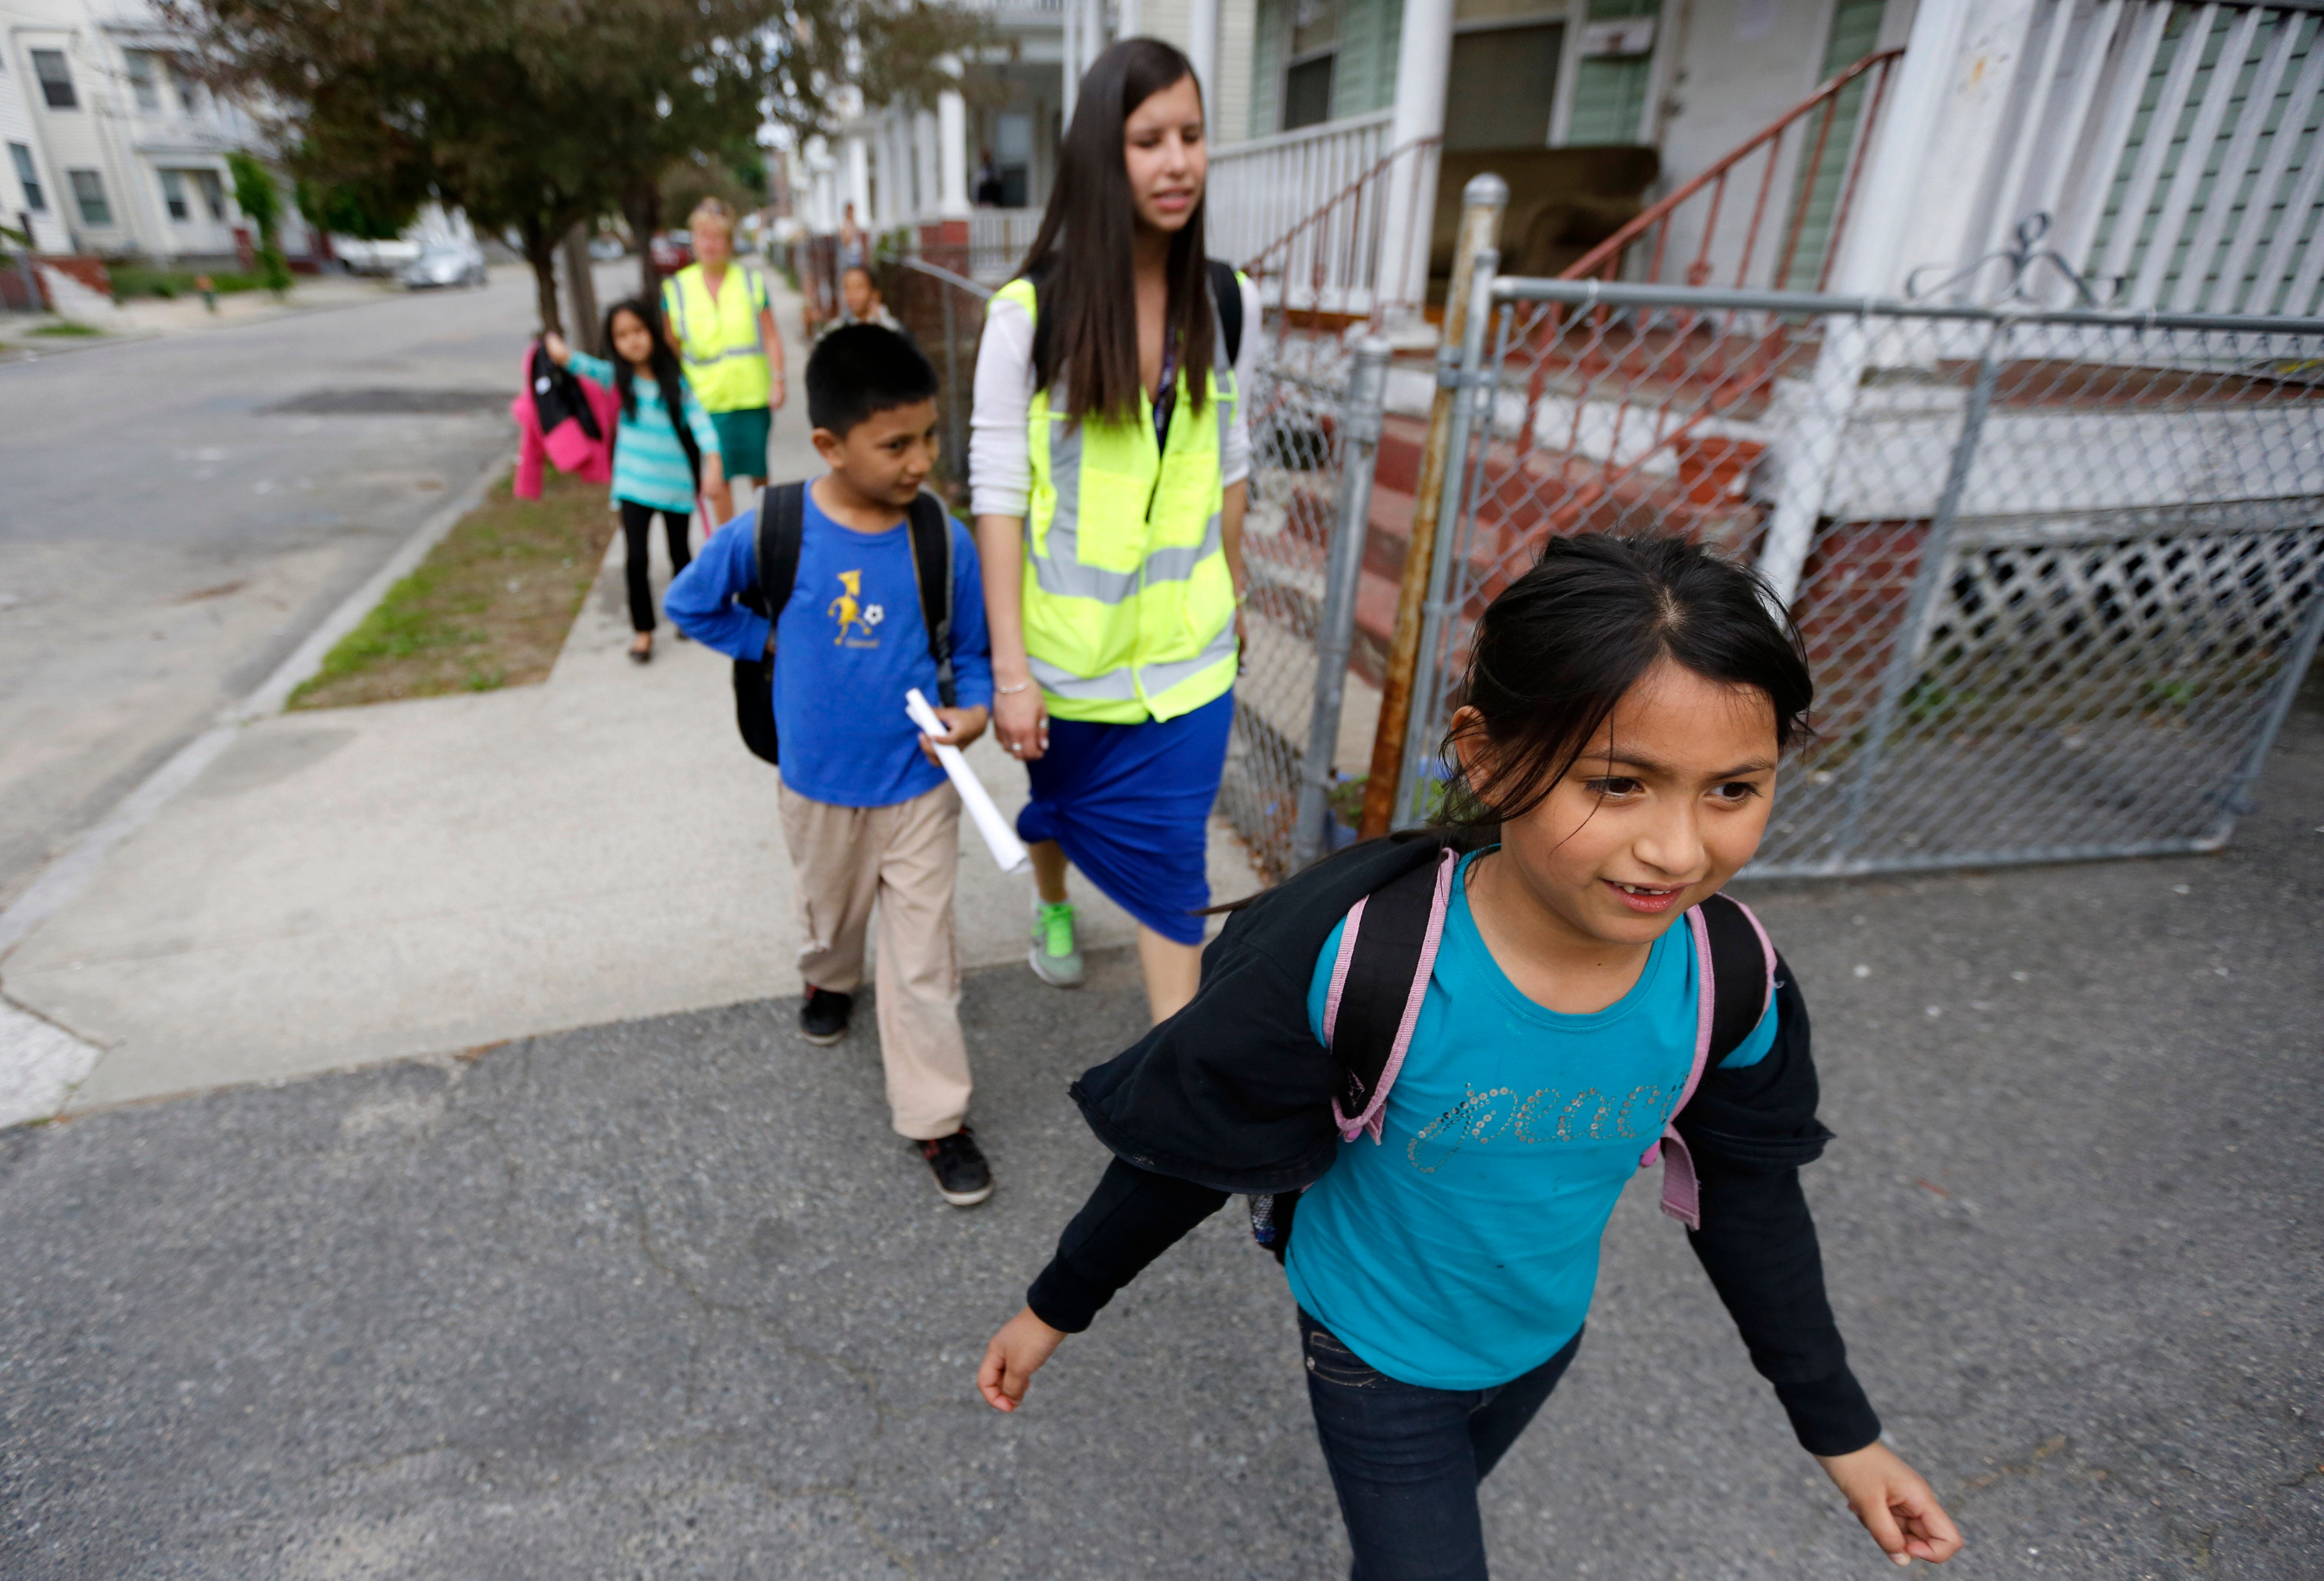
1233 1095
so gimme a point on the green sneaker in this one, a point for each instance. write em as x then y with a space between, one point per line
1057 959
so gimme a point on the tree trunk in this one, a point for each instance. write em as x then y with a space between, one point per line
581 290
541 251
641 206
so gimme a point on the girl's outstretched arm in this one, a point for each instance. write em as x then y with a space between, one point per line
1014 1354
1894 1502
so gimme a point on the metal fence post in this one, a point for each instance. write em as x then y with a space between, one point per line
1472 409
1482 201
952 388
1344 570
1905 658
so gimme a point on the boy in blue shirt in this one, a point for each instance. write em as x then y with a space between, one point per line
868 813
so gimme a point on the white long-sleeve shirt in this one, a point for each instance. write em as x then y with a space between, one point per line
1000 465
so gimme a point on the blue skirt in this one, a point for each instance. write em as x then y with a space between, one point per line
1130 804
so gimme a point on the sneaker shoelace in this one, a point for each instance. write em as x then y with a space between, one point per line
1057 927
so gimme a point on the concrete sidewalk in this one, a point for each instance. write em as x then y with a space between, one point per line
356 885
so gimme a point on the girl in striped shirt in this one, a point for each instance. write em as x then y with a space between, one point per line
660 465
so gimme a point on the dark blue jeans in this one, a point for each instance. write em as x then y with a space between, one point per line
1405 1461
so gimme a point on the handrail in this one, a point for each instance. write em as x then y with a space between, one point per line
1352 189
1251 146
1608 253
960 282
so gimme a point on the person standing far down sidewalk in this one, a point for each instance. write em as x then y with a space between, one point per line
665 451
1109 453
1434 1060
868 814
722 328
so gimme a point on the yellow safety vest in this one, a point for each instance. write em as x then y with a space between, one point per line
718 336
1128 604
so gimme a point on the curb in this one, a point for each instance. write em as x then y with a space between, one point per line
76 866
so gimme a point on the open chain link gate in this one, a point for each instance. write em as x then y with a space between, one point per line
2058 571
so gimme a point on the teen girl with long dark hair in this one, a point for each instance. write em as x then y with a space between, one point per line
665 448
1107 457
1628 700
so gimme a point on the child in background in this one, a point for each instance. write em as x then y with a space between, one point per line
868 814
659 465
860 299
1628 700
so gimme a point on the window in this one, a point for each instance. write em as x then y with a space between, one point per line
185 84
173 193
143 81
56 80
212 192
1315 47
1509 78
28 177
89 194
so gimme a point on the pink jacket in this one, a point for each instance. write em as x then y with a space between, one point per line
565 444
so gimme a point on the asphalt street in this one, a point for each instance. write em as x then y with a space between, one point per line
665 1299
181 512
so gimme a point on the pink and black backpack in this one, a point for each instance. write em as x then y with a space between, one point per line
1379 977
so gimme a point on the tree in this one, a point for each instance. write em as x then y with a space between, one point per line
261 202
536 116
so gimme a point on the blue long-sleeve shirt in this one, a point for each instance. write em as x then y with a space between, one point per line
848 644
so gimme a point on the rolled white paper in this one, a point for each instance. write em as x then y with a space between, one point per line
999 838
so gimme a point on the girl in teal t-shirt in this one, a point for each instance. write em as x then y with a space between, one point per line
1626 706
665 449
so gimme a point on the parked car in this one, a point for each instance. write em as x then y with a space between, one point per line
606 249
672 250
366 257
445 261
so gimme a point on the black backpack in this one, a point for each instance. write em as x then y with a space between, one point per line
782 522
1387 948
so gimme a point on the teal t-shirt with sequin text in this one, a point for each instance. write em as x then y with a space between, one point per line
1461 1251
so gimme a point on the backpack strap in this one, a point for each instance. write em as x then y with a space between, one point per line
1735 983
1226 291
1387 947
932 573
783 523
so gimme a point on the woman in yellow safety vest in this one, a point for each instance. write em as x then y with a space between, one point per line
722 328
1108 455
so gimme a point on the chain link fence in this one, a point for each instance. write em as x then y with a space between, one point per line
2058 571
1297 409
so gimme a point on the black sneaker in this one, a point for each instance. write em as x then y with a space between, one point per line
962 1177
823 1019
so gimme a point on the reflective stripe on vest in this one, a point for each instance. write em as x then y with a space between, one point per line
718 338
1128 604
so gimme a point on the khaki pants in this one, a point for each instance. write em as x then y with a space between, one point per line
904 856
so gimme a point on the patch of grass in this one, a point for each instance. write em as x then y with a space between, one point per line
133 280
66 329
489 607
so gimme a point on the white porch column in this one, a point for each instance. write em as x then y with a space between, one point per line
1129 19
856 180
952 149
884 170
1891 199
1202 49
1069 67
925 134
1423 59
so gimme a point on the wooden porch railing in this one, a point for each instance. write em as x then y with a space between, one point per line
1305 212
1814 118
1801 160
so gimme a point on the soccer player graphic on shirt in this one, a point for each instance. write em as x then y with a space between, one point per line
849 612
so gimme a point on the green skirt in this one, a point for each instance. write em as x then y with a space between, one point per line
742 440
